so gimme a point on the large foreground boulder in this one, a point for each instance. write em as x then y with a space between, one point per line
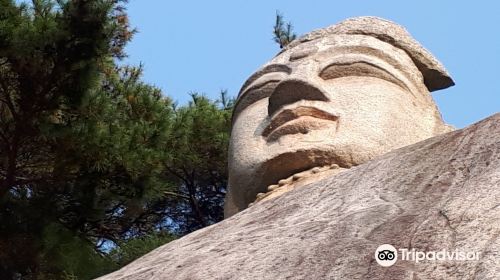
439 194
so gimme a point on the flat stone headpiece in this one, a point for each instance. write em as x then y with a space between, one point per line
435 75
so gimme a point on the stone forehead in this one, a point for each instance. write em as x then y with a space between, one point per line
435 75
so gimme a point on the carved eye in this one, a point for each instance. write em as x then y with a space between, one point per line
254 94
258 92
363 69
303 52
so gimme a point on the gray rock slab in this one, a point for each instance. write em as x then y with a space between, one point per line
441 193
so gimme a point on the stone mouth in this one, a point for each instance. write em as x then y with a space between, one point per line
298 119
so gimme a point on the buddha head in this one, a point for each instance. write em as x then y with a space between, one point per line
339 95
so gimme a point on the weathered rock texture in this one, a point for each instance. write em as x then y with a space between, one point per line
441 193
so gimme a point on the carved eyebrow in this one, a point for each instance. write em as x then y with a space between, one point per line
268 69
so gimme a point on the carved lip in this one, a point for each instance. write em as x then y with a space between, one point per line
300 119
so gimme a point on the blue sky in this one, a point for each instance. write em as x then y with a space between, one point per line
206 46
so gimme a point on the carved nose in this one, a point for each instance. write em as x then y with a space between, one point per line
291 91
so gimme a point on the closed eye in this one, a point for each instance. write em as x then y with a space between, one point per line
359 68
254 94
258 89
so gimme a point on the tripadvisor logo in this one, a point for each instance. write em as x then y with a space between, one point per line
387 255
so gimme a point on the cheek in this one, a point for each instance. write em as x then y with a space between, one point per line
246 144
379 115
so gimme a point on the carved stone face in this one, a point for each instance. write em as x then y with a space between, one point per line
342 98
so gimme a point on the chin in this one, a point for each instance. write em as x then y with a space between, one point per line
293 155
290 161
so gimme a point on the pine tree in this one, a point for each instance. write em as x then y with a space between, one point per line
283 32
96 166
198 162
83 141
